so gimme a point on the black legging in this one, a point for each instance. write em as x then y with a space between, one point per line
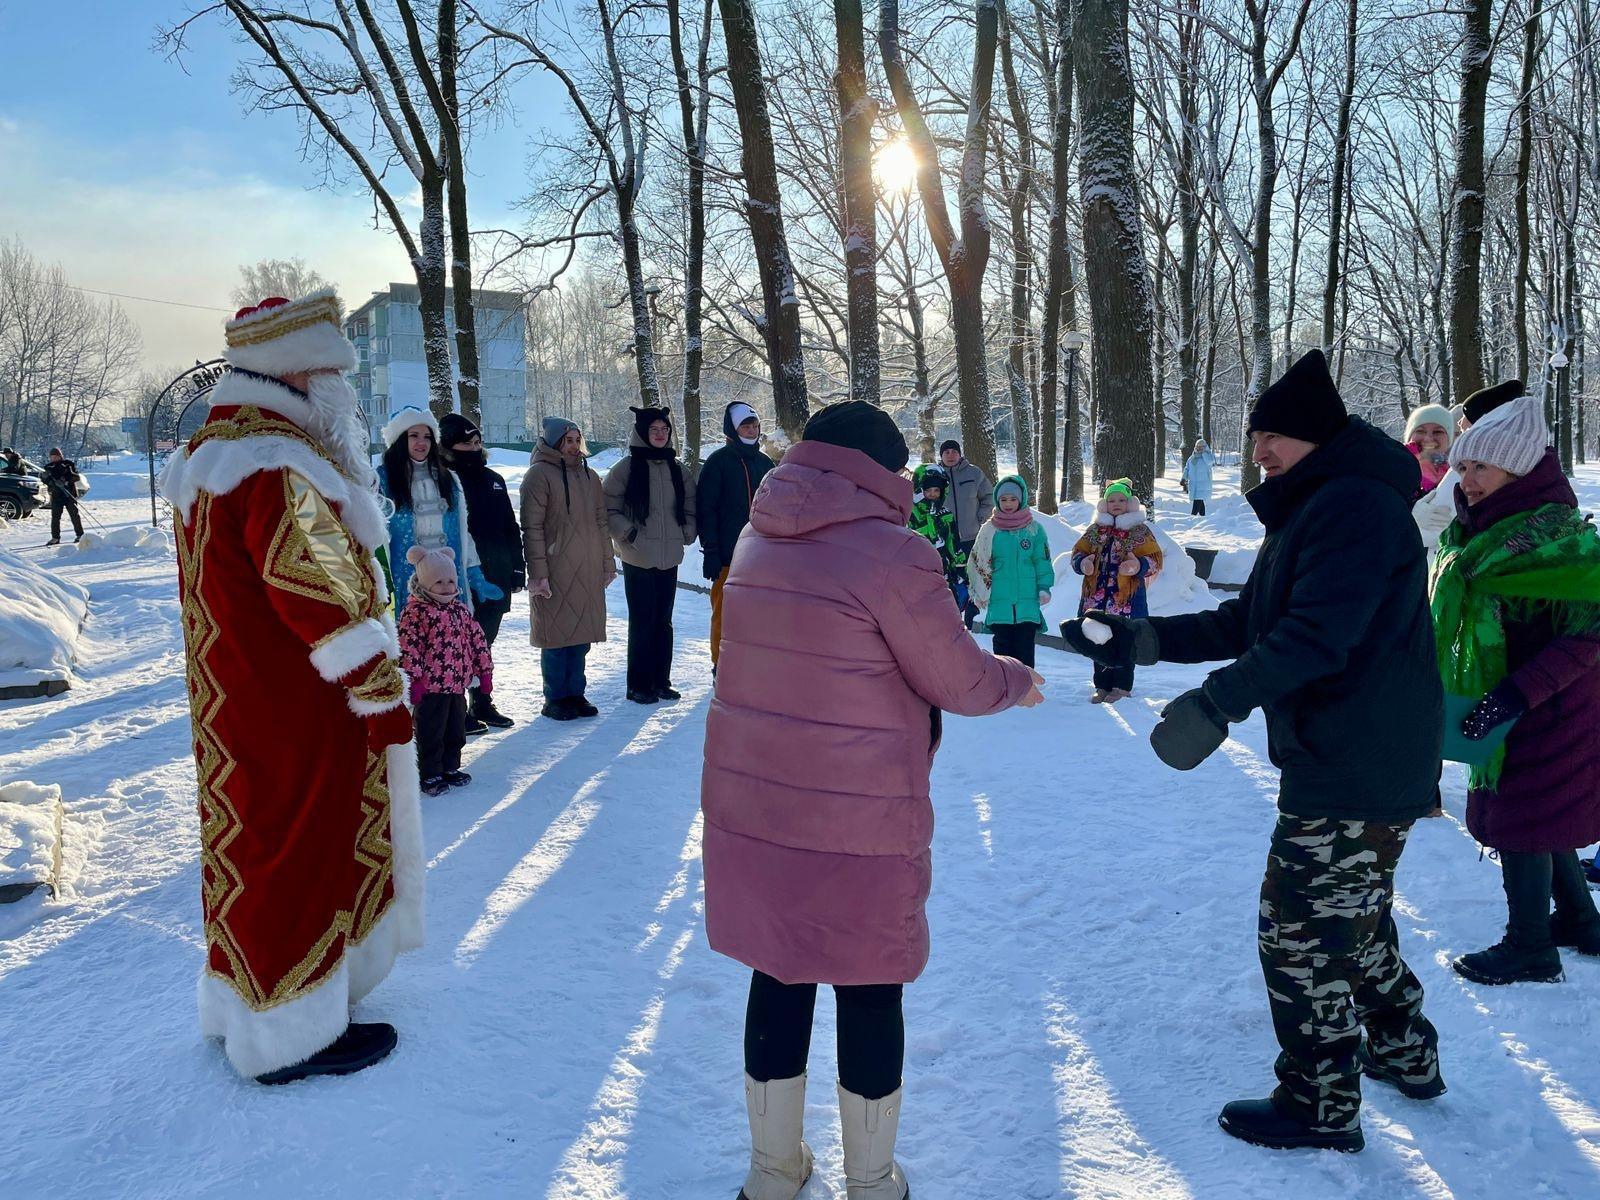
1531 881
872 1033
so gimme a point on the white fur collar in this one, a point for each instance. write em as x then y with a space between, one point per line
1134 516
219 466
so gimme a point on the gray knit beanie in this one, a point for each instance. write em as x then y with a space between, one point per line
1513 437
553 429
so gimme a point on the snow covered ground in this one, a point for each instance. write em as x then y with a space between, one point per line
1092 1000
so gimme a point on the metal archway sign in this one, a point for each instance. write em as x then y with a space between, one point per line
184 392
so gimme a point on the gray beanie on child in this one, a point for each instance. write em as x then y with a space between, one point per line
1513 437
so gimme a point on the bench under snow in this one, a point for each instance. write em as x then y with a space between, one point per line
41 615
30 851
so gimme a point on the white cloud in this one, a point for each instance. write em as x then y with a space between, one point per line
169 226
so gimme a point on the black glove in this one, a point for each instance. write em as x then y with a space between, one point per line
1133 643
1190 730
710 567
1505 703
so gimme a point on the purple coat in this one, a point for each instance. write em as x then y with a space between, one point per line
1549 793
839 647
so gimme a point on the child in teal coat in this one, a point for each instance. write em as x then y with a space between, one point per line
1010 571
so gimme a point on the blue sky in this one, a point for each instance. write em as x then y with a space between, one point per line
141 177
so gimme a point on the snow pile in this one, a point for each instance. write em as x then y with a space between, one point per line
30 852
40 618
120 542
120 477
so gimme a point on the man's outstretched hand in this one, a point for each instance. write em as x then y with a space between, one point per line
1190 730
1034 696
1113 641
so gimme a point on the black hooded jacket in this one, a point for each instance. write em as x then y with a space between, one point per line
490 520
727 483
1332 636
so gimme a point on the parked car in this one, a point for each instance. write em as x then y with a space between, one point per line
19 495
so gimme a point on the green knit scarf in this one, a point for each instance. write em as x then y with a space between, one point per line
1543 561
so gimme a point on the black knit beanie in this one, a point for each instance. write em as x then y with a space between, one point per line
453 428
950 444
643 418
1485 400
1302 403
860 426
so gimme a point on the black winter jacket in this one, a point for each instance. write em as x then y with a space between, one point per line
492 523
1332 635
63 480
727 483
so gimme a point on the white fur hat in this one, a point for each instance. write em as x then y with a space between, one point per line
1430 414
281 337
1512 437
403 419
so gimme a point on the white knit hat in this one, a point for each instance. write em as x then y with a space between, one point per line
281 337
403 419
1513 437
1430 414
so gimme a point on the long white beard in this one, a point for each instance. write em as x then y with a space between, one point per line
337 422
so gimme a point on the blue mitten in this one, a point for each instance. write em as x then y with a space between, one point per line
481 587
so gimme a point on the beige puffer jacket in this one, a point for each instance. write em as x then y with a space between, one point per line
564 540
659 544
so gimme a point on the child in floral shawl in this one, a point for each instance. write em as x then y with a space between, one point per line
1117 556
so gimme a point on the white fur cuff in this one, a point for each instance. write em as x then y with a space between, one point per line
338 655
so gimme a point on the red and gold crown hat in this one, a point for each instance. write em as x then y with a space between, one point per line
281 337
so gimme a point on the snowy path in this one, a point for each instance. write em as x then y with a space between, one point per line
1092 1000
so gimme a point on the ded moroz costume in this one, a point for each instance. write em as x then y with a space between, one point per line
311 854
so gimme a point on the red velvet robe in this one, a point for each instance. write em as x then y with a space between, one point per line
311 858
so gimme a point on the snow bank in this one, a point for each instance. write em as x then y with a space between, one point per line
40 618
124 541
30 852
121 477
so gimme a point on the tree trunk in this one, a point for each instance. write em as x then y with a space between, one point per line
1113 244
1021 335
1466 333
964 255
692 111
1057 260
857 112
1188 183
764 210
1336 201
429 267
1519 290
453 159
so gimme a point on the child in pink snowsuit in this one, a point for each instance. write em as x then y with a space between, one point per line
442 651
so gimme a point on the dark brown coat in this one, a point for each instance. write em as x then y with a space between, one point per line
564 540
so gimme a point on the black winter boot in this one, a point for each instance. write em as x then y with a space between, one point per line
1506 962
1373 1069
475 727
483 708
583 708
1263 1123
1526 954
560 710
1576 922
357 1048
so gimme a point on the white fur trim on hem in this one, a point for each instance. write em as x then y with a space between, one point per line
258 1042
218 467
353 645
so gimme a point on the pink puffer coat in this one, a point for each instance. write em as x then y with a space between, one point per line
840 643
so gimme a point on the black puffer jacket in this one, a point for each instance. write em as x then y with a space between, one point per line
1332 635
63 479
491 522
727 483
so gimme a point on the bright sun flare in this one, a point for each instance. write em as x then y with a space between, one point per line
895 166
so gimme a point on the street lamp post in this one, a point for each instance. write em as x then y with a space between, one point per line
1071 342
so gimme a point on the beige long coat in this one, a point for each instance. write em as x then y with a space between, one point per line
564 540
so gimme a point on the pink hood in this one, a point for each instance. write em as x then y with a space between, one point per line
818 485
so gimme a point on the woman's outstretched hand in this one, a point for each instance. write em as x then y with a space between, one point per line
1034 696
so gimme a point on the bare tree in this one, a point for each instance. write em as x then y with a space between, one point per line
287 277
1466 247
964 255
858 111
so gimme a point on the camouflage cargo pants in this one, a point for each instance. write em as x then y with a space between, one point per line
1331 956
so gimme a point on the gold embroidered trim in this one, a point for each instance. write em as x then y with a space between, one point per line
313 555
253 330
383 684
374 852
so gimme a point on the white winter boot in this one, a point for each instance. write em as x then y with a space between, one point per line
870 1171
780 1163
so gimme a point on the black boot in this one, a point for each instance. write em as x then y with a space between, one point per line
475 727
483 708
1576 922
1373 1069
1526 954
560 710
668 693
639 696
1263 1123
583 708
356 1049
